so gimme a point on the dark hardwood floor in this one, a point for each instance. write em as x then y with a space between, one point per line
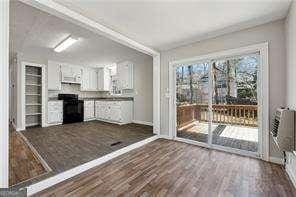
66 146
170 168
23 163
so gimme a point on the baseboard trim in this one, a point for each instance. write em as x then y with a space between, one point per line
143 122
37 187
19 129
165 137
276 160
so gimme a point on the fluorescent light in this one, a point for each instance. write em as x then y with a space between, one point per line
65 44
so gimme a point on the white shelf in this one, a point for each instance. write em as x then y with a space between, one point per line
31 84
33 114
33 103
32 75
30 104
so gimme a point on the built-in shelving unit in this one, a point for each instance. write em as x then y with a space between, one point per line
33 94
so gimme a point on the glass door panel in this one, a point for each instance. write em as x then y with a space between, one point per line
192 101
234 102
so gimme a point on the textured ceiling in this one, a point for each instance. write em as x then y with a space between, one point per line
167 24
36 33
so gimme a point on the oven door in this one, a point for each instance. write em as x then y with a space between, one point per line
73 111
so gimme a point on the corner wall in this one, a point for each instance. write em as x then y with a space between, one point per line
291 56
291 79
273 33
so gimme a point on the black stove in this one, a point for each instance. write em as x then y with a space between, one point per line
72 108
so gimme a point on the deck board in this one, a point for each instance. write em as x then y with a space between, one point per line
233 136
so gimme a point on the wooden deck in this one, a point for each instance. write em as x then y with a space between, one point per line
170 168
234 136
245 115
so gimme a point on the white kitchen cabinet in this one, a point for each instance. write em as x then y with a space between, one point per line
54 76
55 112
125 75
120 112
71 74
104 79
89 110
89 79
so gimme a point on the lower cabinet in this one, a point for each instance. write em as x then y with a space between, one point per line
55 112
114 111
89 110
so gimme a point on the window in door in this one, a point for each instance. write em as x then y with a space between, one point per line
216 102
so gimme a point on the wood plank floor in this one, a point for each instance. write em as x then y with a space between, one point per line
66 146
23 163
170 168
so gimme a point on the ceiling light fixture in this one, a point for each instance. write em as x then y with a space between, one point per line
65 44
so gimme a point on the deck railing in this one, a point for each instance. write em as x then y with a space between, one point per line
245 115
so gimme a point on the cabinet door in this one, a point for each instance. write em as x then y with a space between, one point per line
55 117
97 112
100 84
51 117
107 80
54 76
59 116
93 79
104 79
85 79
88 113
115 114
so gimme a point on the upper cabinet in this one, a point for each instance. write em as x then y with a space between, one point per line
54 76
89 79
71 74
104 79
125 75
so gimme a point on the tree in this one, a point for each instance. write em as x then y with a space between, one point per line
214 71
228 78
190 69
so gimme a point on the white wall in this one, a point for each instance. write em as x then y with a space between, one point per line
143 85
291 56
13 88
291 78
273 33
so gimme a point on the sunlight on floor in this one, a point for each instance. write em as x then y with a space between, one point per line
200 127
230 131
240 133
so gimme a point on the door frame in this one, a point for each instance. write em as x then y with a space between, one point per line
23 93
263 97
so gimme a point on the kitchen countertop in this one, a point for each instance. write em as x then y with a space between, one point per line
110 98
98 98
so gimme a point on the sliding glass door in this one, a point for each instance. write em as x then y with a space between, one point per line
192 95
216 102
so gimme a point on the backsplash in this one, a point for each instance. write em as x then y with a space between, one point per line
75 89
